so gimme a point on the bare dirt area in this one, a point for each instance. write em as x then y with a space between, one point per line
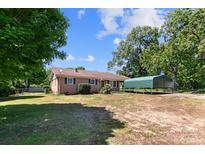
186 95
174 119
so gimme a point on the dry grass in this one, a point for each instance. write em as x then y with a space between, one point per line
122 118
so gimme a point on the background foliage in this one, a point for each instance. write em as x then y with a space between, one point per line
30 39
178 49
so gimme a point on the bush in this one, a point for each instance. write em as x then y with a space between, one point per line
84 88
67 93
107 89
6 91
199 91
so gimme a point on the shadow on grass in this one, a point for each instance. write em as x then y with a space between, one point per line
56 124
10 98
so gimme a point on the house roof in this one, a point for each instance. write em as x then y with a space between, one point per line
62 72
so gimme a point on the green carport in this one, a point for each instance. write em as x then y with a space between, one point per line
149 82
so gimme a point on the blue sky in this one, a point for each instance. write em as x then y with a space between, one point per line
95 33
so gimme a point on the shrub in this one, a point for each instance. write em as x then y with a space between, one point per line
107 89
84 88
6 91
67 93
199 91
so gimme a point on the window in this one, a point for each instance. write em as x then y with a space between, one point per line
114 84
69 80
91 81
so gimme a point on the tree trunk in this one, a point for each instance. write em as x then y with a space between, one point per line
27 83
175 81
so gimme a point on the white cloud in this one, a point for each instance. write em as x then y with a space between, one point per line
89 58
70 57
121 21
108 19
141 17
81 13
117 41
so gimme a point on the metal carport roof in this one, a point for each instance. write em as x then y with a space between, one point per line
144 82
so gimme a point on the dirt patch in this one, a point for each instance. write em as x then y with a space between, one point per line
186 95
162 120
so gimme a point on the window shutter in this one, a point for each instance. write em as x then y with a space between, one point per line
96 82
65 80
73 80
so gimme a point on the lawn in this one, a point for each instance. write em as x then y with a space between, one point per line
119 118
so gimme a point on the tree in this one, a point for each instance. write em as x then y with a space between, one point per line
184 34
175 50
196 37
37 78
80 68
30 39
151 60
181 51
127 55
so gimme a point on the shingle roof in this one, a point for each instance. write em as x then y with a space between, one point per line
87 74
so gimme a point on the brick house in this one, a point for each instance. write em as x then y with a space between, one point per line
67 80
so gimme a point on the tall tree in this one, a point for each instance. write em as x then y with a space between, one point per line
184 35
127 55
30 38
175 49
181 52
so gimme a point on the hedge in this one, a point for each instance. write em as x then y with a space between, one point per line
84 88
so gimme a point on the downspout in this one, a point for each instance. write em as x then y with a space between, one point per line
58 85
100 85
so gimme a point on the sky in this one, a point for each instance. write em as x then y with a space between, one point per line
94 34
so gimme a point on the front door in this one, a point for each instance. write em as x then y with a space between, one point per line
102 83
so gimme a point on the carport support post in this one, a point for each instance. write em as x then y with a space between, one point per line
151 91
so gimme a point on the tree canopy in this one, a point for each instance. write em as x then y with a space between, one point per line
80 68
127 55
30 39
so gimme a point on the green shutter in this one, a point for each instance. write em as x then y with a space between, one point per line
65 80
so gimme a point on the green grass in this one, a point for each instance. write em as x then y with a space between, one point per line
37 119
